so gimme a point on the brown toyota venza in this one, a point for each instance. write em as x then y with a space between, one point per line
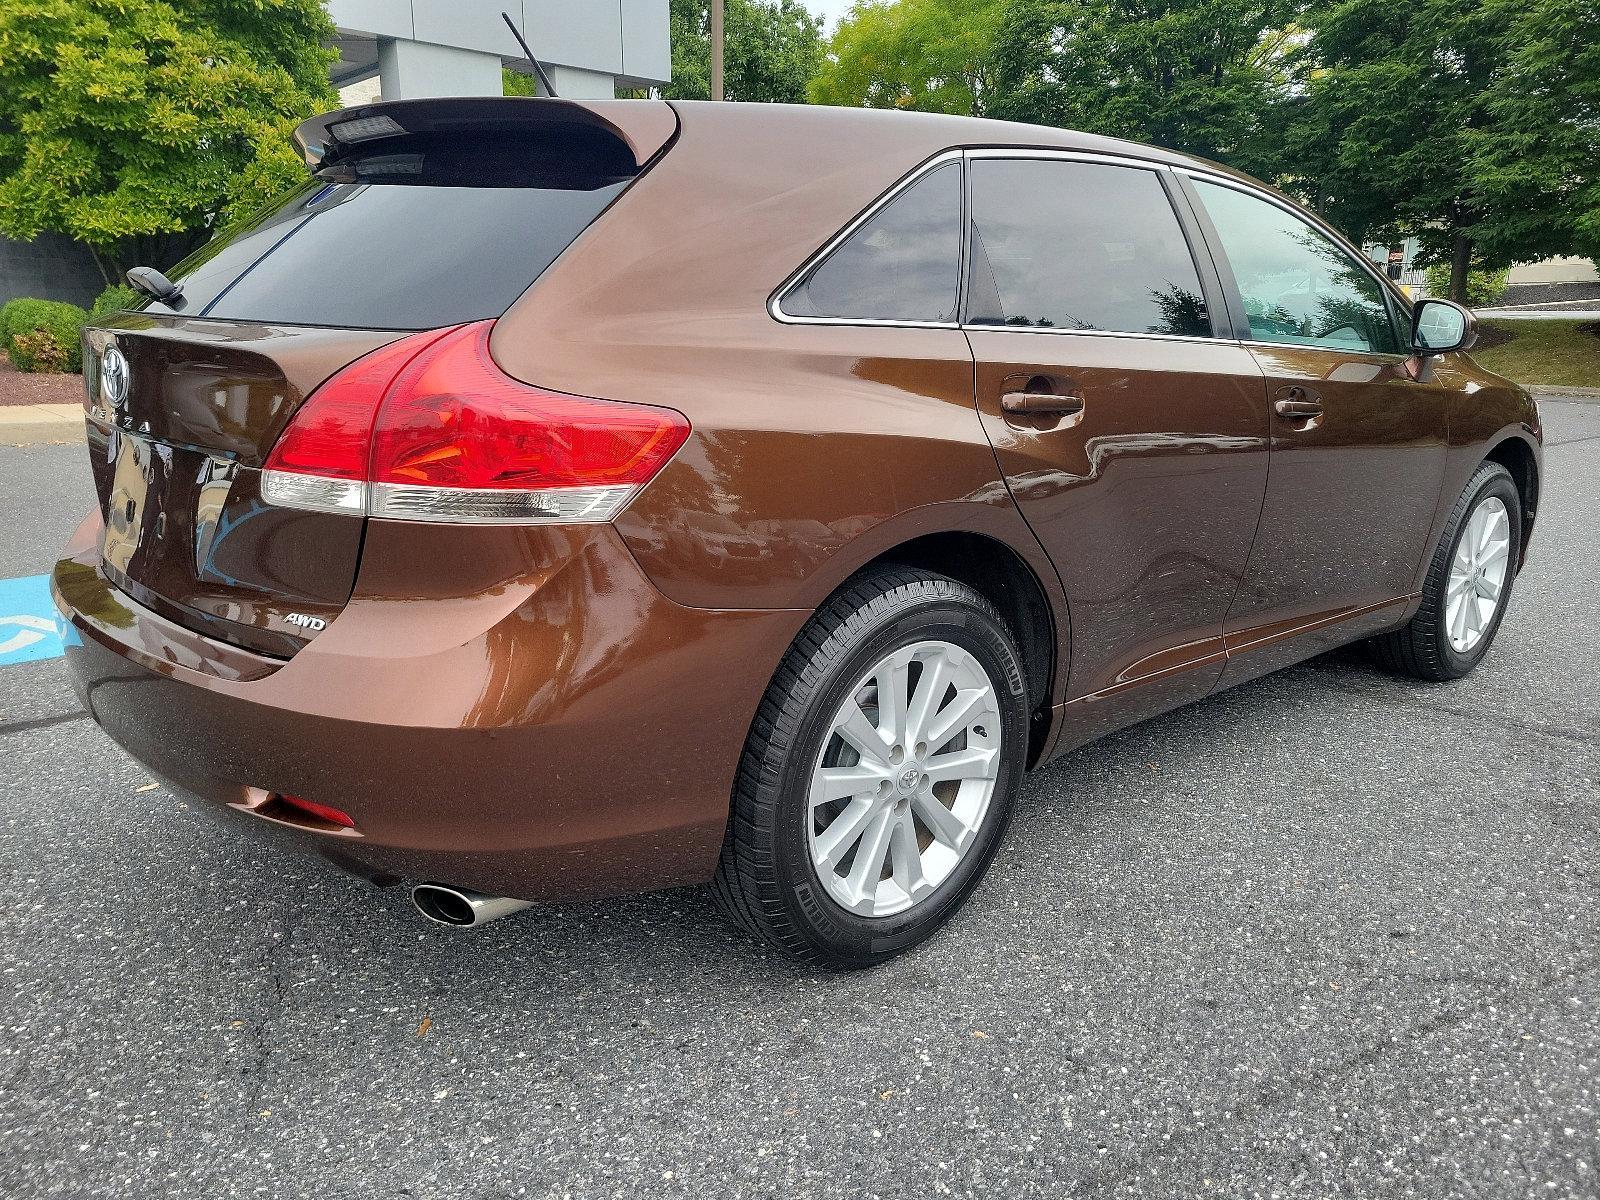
554 499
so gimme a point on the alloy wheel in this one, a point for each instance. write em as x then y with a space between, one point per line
905 778
1478 574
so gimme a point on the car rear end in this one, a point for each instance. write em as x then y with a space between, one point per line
351 581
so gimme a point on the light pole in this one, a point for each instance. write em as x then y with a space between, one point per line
716 49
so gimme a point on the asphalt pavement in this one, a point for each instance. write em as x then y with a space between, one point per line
1332 933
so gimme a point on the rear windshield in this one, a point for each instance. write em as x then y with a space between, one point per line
409 239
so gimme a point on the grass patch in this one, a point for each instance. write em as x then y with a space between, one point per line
1558 353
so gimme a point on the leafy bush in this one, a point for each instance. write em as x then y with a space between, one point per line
61 322
114 299
17 316
1483 287
38 351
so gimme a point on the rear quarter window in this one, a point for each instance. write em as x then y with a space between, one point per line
902 264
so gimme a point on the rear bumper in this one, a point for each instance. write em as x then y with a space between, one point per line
517 711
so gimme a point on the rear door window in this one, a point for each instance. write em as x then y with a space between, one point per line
902 264
396 242
1060 244
1298 285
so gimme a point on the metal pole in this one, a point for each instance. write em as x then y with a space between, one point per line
716 49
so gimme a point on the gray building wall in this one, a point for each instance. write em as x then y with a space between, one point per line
50 267
457 47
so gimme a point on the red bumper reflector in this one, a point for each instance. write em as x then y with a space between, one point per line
322 811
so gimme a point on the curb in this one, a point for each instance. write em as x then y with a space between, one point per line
41 424
1555 391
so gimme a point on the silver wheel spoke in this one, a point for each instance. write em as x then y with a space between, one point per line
905 857
835 842
961 764
952 717
868 866
930 690
861 734
894 685
941 822
835 783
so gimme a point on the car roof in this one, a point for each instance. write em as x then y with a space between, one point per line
785 121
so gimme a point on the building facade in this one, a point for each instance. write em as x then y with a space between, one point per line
589 48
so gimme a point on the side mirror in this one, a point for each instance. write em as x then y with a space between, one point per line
1439 326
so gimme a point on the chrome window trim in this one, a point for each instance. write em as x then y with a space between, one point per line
981 327
775 302
1346 351
1395 300
1093 156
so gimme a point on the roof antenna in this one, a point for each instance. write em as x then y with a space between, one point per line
534 62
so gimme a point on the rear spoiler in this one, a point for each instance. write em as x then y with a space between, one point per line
638 129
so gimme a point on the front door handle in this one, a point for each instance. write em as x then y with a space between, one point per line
1298 403
1041 404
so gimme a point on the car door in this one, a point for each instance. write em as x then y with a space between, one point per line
1133 439
1358 445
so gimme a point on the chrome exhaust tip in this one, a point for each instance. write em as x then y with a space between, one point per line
460 908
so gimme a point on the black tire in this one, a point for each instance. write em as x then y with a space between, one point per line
766 882
1421 648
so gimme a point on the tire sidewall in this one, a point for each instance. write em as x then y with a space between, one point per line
1501 485
850 937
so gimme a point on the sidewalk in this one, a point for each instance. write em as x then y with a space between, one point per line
1583 310
35 424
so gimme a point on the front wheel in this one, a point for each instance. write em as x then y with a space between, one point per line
879 772
1468 584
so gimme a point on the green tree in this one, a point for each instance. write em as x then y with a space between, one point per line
133 125
518 83
1535 160
928 55
1192 75
771 50
1383 133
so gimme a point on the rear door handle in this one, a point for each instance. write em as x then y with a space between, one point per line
1298 403
1040 404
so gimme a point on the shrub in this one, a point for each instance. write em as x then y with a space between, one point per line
17 316
1483 287
115 298
61 322
38 351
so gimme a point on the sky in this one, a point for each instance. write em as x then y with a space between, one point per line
829 10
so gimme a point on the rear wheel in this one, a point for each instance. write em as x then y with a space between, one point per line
1468 584
879 772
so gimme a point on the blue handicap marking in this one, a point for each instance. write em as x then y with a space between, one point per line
28 629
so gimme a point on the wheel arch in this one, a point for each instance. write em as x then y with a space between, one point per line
1007 580
1517 457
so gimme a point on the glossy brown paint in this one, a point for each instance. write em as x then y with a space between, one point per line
176 470
558 711
515 710
1167 426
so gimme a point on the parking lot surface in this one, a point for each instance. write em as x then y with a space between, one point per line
1331 933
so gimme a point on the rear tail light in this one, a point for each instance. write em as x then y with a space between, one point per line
428 428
